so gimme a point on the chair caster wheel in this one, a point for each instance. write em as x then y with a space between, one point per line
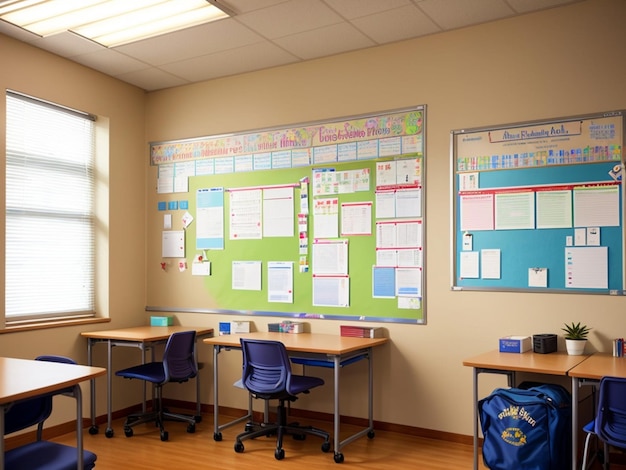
238 447
217 436
164 436
197 418
279 454
108 432
128 432
338 457
325 447
371 434
191 428
93 430
299 437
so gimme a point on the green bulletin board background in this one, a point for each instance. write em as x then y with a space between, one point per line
361 249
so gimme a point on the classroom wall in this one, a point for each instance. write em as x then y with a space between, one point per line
560 62
122 187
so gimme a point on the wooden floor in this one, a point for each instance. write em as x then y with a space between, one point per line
145 451
386 451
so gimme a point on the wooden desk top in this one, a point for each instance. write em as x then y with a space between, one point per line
599 365
144 333
303 342
24 378
556 363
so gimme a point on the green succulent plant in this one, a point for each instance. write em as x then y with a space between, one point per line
576 331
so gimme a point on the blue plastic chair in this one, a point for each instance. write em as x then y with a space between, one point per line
41 454
179 364
609 424
267 376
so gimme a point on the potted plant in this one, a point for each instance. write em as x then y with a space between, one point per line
575 338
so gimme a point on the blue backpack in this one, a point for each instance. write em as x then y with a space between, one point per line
527 429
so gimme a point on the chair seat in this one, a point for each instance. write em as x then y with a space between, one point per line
46 455
303 383
150 372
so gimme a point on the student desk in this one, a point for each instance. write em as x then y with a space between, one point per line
142 337
495 362
24 378
330 350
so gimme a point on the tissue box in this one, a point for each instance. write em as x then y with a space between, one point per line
224 328
239 327
515 344
161 321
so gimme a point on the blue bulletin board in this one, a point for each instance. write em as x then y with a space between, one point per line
539 206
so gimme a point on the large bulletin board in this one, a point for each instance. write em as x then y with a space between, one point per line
319 220
539 206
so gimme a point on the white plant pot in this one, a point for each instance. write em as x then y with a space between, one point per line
575 347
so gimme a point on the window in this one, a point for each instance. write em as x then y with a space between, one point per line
50 220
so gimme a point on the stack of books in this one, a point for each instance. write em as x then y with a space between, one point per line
361 331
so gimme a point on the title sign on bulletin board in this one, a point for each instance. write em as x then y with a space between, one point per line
330 215
538 206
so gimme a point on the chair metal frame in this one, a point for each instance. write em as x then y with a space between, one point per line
609 423
267 376
179 364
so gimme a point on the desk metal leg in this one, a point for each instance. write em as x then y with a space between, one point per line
575 384
217 435
369 431
475 411
109 430
93 429
217 429
337 418
79 424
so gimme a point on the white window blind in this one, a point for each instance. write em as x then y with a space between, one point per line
49 211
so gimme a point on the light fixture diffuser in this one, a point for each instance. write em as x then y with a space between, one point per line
109 22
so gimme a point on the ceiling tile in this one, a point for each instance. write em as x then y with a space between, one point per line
68 44
110 61
17 33
352 9
408 22
241 60
325 41
198 41
152 79
268 33
525 6
245 6
290 17
451 14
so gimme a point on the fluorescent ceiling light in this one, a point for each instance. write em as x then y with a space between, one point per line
109 22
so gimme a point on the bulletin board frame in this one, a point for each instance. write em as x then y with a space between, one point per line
300 156
538 206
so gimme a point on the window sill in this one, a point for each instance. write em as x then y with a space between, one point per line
46 325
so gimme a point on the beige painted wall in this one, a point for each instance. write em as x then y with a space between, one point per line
560 62
46 76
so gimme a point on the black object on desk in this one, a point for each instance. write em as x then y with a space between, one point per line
544 343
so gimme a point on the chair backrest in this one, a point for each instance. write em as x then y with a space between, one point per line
179 357
33 411
266 366
610 422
